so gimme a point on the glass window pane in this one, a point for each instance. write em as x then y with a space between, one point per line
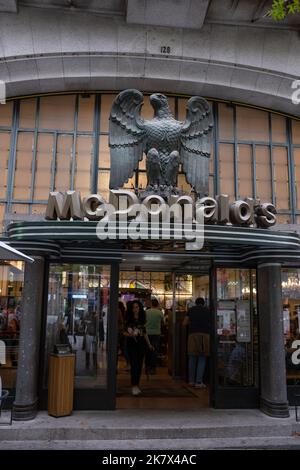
226 169
103 184
212 160
172 104
6 113
44 155
38 209
22 175
283 218
142 179
296 131
290 279
252 124
281 178
104 155
183 184
237 328
226 126
77 315
182 108
211 186
297 174
84 149
27 113
130 183
63 163
245 170
57 112
4 159
263 173
11 285
142 164
147 111
106 103
278 128
86 113
2 212
20 209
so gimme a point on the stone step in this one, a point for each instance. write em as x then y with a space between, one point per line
151 425
279 442
23 433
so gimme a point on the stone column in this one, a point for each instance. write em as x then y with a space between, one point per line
25 405
273 397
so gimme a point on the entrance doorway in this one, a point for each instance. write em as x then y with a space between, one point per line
81 305
167 386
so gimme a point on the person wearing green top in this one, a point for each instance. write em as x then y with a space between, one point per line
154 319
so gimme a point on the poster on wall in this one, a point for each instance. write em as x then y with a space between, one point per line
226 322
243 322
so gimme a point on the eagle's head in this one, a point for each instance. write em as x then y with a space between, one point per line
160 105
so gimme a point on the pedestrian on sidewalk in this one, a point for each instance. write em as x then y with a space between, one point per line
137 341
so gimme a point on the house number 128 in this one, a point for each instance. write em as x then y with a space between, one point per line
165 49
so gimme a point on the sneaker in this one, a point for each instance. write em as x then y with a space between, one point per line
136 391
201 385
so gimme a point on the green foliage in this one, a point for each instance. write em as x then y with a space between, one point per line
282 8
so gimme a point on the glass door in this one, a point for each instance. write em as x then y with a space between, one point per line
80 317
236 348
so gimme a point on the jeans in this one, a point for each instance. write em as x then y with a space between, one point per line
136 352
196 368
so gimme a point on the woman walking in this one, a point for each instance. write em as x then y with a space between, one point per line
137 341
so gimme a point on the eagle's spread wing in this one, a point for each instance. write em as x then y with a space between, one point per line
126 133
195 143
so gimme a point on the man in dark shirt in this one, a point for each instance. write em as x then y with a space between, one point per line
198 320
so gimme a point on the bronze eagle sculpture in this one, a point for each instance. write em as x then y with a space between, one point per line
166 142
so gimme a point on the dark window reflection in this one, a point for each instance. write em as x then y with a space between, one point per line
11 286
237 330
291 322
78 309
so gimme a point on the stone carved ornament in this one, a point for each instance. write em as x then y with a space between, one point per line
165 141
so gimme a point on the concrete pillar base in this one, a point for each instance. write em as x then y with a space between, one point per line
275 409
24 412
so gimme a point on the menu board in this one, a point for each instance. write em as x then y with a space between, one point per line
226 322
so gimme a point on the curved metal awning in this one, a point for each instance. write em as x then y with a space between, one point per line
69 240
214 235
9 253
